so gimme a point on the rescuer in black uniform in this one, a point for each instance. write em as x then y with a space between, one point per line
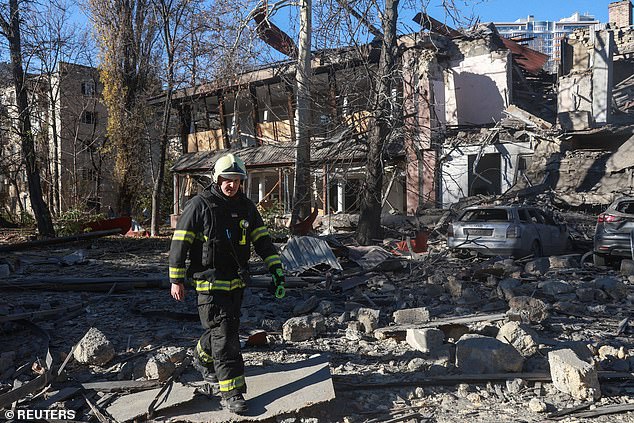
217 228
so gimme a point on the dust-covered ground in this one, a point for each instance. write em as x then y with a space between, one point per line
378 375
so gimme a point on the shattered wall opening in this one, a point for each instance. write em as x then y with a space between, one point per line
484 174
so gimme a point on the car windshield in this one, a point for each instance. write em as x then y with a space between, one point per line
626 207
486 215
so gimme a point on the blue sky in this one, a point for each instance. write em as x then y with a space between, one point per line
496 10
510 10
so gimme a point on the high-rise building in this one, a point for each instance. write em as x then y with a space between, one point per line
545 36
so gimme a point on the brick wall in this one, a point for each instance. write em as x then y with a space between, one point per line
620 13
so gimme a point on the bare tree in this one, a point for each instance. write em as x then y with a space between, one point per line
369 228
174 19
10 29
302 191
127 34
54 45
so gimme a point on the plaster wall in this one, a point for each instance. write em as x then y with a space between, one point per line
477 89
454 180
574 102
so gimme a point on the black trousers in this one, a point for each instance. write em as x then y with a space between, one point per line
219 345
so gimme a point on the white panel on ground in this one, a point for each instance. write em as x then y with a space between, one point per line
271 391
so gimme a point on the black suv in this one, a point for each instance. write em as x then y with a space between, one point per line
614 234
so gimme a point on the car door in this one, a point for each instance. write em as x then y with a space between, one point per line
557 232
529 229
544 231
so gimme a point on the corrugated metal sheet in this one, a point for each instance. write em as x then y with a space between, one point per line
340 148
532 61
368 257
305 252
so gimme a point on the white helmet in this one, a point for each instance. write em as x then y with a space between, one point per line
229 166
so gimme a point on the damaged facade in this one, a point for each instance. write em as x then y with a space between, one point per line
480 117
580 145
441 77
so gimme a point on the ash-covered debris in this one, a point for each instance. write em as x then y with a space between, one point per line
437 333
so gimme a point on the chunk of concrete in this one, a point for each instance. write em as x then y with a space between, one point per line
516 385
159 367
529 309
568 261
175 354
369 318
273 391
520 336
354 331
537 405
506 288
556 288
483 354
306 307
538 266
573 376
325 308
94 348
508 266
608 351
297 329
612 286
453 286
425 340
411 316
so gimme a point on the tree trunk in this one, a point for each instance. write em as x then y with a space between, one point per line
301 194
40 209
157 190
369 228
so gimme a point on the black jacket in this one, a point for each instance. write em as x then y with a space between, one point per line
212 216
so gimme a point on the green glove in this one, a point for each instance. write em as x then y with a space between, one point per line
277 283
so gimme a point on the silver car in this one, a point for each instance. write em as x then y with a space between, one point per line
516 231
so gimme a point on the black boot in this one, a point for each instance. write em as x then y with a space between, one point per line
236 403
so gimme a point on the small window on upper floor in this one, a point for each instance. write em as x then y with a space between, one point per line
88 88
89 117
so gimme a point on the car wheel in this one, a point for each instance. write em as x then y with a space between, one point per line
536 249
598 259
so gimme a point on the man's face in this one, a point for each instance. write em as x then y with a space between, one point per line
229 186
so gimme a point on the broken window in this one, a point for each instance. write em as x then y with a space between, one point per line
486 215
626 207
485 178
524 216
523 162
536 217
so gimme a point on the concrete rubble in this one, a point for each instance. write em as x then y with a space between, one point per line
94 348
501 339
574 376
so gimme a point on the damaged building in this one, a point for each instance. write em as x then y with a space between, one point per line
576 139
480 116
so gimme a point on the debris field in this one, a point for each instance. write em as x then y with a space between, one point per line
364 334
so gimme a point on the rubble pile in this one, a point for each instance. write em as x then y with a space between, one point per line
413 337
